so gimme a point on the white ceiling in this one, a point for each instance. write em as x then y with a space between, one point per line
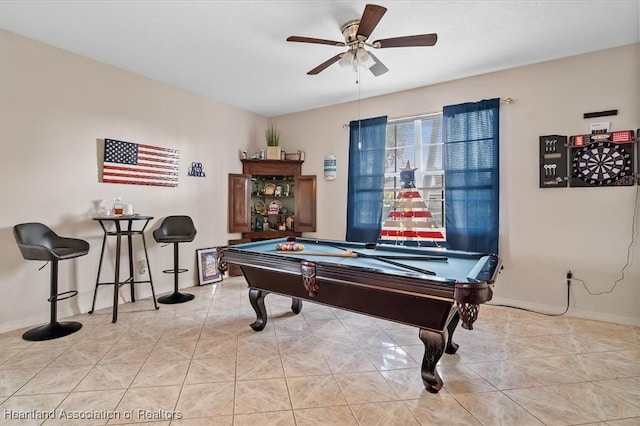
236 51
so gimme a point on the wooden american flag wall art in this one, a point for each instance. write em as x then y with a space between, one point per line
139 164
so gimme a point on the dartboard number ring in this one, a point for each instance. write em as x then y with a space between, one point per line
601 163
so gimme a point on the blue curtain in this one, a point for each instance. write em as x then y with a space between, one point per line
471 140
366 179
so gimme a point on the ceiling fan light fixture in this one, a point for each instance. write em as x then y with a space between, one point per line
347 60
364 59
356 57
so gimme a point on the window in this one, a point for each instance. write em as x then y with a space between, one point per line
419 142
454 160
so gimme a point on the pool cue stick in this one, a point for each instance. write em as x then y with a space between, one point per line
390 262
403 257
378 256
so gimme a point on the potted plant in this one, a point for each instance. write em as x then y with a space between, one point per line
273 140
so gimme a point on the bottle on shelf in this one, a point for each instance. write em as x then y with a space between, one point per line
265 224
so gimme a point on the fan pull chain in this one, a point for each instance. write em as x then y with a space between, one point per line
359 113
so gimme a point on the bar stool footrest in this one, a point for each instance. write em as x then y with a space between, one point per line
62 296
174 271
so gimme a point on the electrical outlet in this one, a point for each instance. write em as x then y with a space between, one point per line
569 276
142 267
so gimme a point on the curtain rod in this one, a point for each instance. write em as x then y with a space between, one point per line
427 114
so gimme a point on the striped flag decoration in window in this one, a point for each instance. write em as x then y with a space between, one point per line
139 164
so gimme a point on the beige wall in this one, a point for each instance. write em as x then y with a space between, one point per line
54 106
543 233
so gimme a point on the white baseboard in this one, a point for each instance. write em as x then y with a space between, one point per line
36 320
70 308
552 309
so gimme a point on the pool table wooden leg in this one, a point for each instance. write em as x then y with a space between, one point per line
434 344
256 298
452 347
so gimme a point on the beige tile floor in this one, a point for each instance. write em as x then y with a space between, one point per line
200 363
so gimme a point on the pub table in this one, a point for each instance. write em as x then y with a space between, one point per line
122 226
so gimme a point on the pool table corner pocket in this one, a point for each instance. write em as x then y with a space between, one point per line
468 297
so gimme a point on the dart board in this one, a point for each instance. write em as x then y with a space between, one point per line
602 164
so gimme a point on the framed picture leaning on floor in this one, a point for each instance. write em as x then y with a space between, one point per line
208 271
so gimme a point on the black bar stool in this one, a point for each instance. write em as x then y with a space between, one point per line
38 242
175 230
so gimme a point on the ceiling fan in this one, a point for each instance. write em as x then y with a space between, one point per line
355 34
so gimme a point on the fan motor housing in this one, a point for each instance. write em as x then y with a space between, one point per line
350 31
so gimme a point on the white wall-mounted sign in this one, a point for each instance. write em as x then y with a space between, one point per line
330 167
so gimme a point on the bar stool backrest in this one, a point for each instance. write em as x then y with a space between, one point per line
175 229
37 241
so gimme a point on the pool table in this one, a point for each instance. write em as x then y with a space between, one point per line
429 288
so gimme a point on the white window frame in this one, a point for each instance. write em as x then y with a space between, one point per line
432 195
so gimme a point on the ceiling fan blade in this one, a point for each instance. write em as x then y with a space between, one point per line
315 40
407 41
370 17
325 64
378 68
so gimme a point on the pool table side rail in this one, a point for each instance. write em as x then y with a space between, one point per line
414 309
410 283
